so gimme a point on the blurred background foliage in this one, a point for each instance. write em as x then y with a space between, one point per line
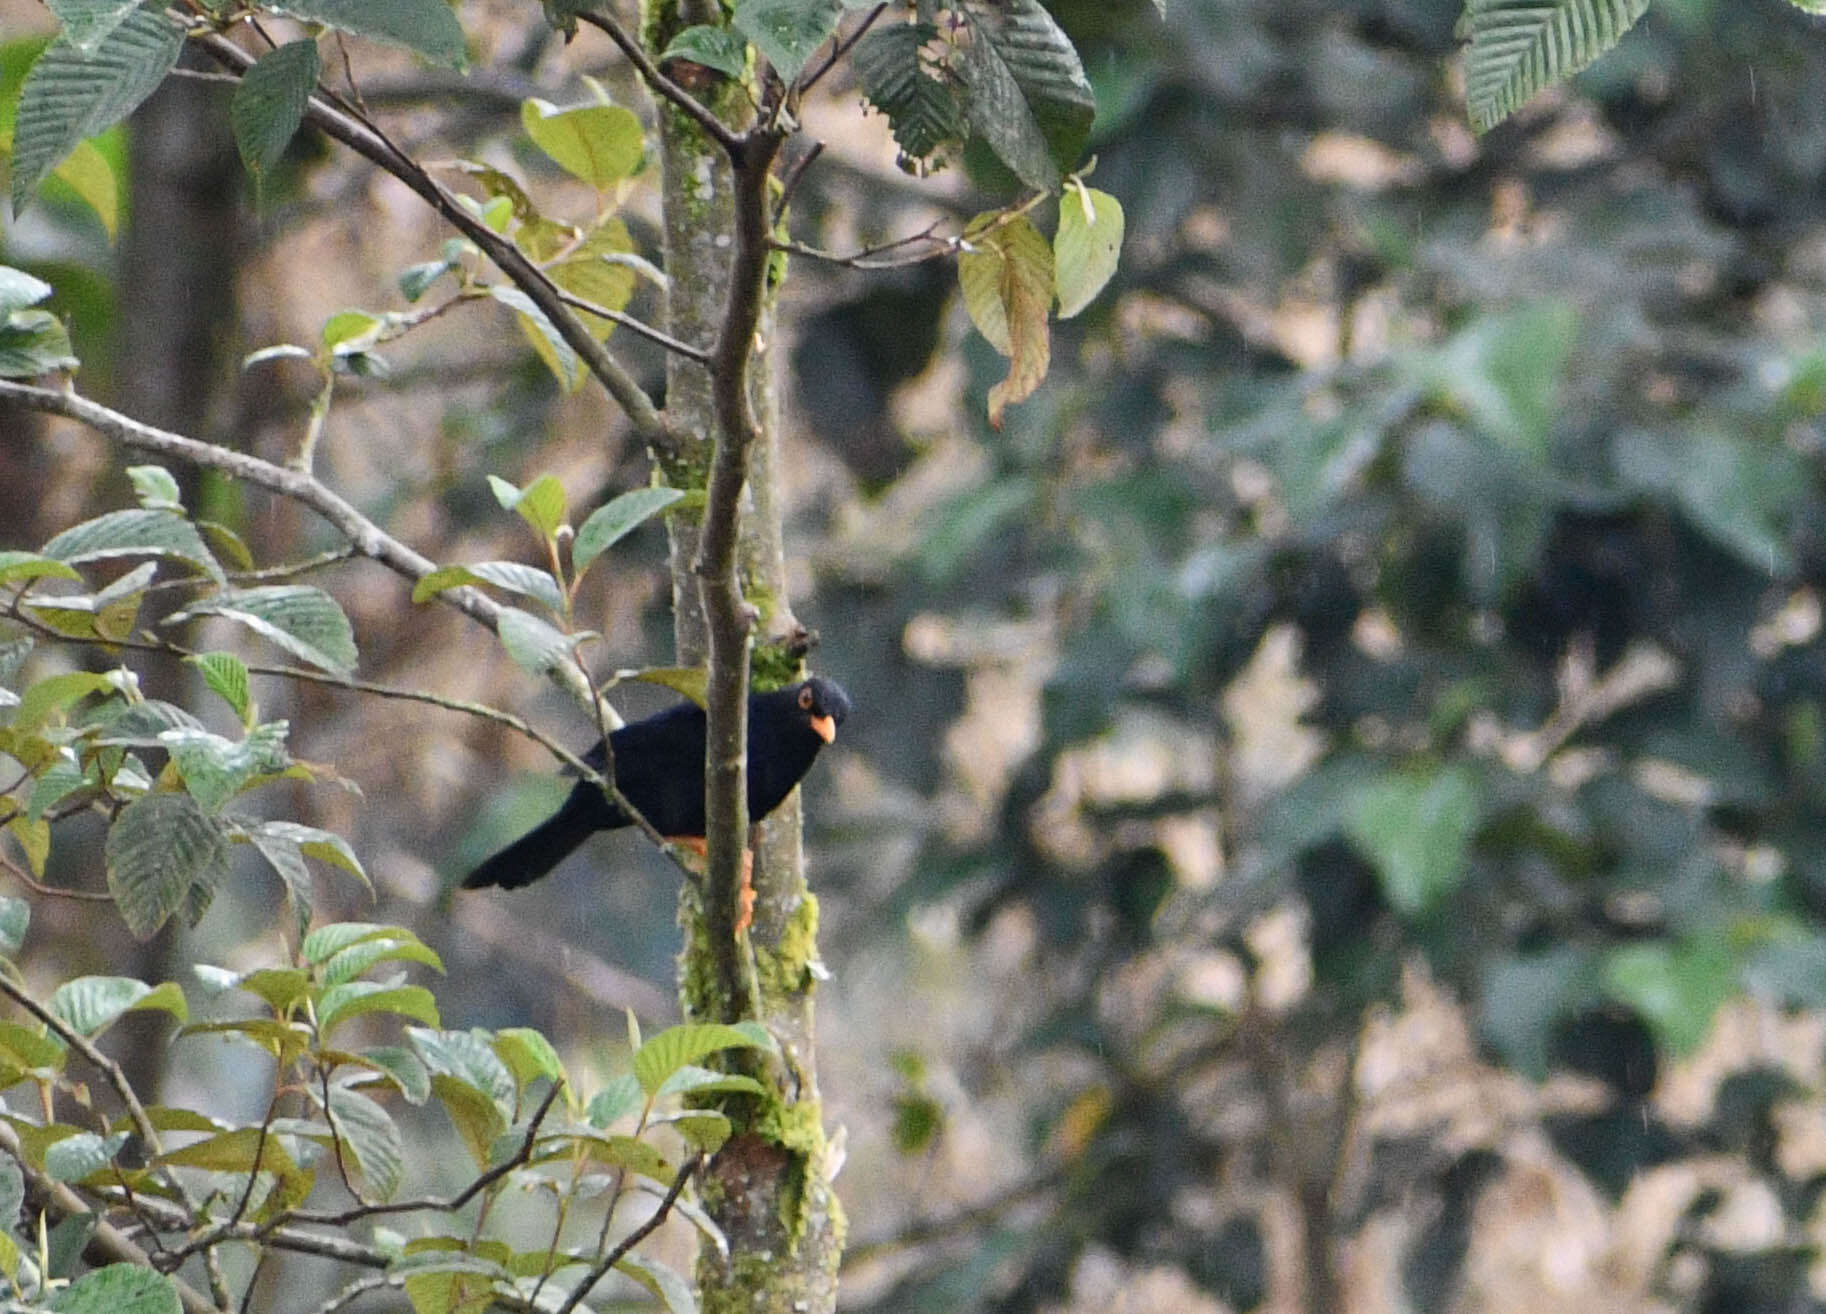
1334 815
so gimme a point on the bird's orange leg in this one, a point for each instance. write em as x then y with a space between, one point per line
744 895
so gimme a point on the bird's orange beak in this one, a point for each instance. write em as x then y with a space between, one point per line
826 728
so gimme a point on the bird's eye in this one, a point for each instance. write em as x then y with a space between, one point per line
805 698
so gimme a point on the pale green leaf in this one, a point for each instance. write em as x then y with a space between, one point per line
134 533
597 144
1086 247
89 1005
610 523
304 621
668 1051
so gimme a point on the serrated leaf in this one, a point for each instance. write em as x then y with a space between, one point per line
477 1118
72 93
270 101
559 356
787 32
158 848
692 1079
668 1051
921 96
402 1067
326 942
614 1101
713 47
373 1136
305 621
281 988
1006 273
1086 247
215 769
86 22
118 1289
347 964
610 523
135 533
89 1005
536 646
468 1056
596 144
425 27
1028 96
1519 47
226 674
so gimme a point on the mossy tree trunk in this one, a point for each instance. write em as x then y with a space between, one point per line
768 1187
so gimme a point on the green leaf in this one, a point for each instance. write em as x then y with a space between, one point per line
595 274
158 848
89 1005
76 1157
671 1049
536 647
34 342
15 918
1416 828
597 144
86 22
609 524
71 93
614 1101
402 1068
19 289
226 674
1086 246
787 32
1519 47
373 1136
477 1118
921 96
30 1050
155 488
118 1289
281 987
91 174
468 1056
326 942
1677 987
694 1080
58 693
691 681
527 581
12 1192
304 621
135 533
270 101
713 47
662 1281
1029 98
215 769
559 356
347 964
358 998
347 326
528 1055
16 566
238 1150
425 27
416 280
1735 490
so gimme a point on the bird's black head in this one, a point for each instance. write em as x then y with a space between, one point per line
823 704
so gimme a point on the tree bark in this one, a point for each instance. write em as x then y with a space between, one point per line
769 1186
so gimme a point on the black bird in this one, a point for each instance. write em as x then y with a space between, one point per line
659 768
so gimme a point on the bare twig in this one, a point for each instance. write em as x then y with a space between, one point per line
790 183
634 325
24 877
842 48
634 1238
865 258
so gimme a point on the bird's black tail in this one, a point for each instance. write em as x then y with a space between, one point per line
541 848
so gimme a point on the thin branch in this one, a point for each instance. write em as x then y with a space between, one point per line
370 143
24 877
107 1242
790 184
634 1238
718 131
865 258
843 48
634 325
442 1204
